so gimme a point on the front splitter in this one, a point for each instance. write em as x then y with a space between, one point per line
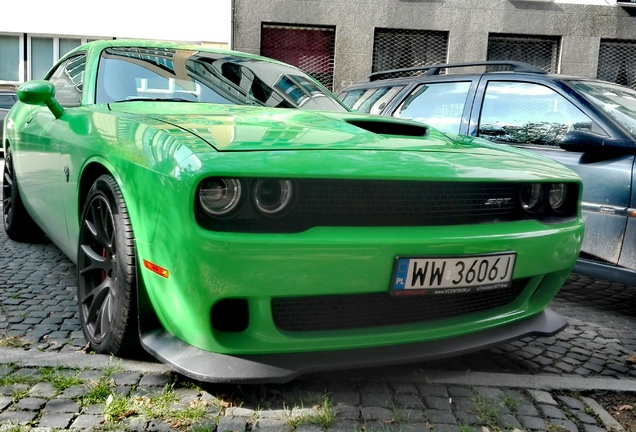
267 368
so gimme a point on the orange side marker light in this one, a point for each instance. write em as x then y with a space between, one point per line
156 269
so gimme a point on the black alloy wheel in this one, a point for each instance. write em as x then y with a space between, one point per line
18 224
106 279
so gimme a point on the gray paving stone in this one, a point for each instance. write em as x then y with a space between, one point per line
271 425
155 380
17 416
438 416
62 406
345 397
552 412
437 403
347 412
31 404
85 421
56 420
384 400
532 423
5 401
44 390
542 397
343 426
409 401
375 414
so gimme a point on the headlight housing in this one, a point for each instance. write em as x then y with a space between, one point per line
220 197
532 196
557 196
273 197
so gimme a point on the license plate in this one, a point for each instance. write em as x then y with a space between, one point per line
452 275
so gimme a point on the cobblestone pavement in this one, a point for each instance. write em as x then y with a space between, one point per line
48 383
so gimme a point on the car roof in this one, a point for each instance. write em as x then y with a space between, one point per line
426 73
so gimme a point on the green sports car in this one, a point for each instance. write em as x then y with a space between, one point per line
229 215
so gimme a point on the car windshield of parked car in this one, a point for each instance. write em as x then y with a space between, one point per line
159 74
617 101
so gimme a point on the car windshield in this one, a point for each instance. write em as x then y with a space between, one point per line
157 74
617 101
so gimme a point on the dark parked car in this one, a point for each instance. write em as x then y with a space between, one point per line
7 99
587 124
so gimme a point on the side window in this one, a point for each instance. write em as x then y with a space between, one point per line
530 114
440 105
370 101
68 79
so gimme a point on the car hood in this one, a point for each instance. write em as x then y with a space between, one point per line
236 128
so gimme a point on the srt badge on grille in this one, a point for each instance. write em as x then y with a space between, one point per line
497 202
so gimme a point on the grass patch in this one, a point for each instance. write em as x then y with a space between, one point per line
14 342
97 393
114 366
61 379
163 405
322 414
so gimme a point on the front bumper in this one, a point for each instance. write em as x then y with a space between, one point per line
222 368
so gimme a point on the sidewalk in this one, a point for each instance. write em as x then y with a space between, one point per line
43 391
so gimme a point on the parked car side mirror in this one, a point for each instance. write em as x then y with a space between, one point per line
583 141
40 93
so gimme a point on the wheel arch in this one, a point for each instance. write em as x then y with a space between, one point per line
90 173
147 318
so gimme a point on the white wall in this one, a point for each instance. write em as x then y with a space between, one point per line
181 20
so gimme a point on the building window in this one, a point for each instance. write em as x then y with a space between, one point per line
41 55
11 59
312 49
397 49
539 51
44 51
617 62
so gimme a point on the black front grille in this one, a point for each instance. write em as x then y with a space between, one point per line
341 312
406 203
390 203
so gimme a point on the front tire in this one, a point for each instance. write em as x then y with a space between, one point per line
106 279
18 224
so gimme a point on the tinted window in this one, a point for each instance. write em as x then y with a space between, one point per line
129 74
68 79
438 104
531 114
371 100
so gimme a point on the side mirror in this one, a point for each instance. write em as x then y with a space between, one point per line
40 93
583 141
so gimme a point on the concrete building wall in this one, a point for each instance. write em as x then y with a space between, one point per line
580 24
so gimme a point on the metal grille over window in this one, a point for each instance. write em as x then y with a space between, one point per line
539 51
617 62
396 49
312 49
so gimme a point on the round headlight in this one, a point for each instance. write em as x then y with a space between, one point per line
219 196
557 194
532 196
272 196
